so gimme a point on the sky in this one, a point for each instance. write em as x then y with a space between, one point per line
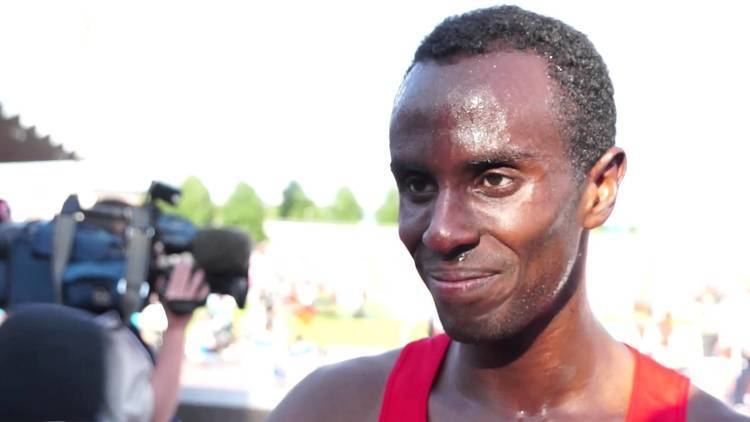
268 92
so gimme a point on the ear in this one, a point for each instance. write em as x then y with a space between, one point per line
601 188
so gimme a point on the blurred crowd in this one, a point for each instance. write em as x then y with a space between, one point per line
706 339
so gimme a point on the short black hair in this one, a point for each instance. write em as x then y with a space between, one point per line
586 106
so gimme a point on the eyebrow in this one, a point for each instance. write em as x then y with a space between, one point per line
505 158
401 166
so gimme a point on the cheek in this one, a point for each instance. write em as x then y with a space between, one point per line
411 226
537 230
522 227
552 249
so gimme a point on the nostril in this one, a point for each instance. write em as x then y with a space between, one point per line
450 244
459 253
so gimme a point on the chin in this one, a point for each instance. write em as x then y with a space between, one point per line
488 329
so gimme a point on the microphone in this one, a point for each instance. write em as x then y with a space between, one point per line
224 256
222 251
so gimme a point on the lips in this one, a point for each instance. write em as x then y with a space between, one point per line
460 284
455 276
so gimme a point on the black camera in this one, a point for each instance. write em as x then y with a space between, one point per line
110 255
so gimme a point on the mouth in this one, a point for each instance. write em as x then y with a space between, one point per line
460 285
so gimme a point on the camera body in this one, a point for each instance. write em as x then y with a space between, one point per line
108 257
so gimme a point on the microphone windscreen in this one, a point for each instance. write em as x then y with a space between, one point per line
222 251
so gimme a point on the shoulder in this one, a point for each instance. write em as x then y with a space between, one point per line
703 407
347 391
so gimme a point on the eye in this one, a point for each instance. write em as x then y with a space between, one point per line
495 180
494 183
418 187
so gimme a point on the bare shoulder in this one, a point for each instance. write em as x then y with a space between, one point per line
703 407
347 391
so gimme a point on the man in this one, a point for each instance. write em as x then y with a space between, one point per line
61 363
502 145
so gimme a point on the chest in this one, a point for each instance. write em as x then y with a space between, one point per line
442 408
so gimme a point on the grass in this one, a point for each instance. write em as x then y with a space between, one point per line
325 331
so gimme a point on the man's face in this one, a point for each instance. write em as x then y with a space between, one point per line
488 198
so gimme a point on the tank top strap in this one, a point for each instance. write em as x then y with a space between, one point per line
407 390
659 393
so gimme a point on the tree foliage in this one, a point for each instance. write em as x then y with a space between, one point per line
295 204
195 203
345 208
245 210
388 212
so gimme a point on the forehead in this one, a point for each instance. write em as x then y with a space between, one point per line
485 101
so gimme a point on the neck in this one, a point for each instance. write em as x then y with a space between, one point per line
557 358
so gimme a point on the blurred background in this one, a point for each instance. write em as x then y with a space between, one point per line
273 117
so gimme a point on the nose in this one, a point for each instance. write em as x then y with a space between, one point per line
452 228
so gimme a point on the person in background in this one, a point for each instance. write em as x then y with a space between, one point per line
709 310
5 216
61 363
734 339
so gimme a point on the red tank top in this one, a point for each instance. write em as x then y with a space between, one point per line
659 394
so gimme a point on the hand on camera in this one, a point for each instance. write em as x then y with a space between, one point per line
183 293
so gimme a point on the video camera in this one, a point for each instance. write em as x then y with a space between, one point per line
110 255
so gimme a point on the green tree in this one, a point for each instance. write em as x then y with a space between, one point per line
195 203
246 211
295 205
345 207
388 212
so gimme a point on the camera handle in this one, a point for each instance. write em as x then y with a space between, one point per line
138 253
181 307
62 242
